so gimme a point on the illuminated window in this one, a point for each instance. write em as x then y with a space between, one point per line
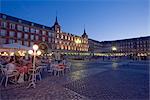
57 35
62 47
62 36
66 37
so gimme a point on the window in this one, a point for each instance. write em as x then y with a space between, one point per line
32 37
37 37
3 24
2 40
32 30
12 26
58 47
26 36
19 42
43 32
66 37
19 35
49 39
3 32
19 27
49 34
26 43
11 33
37 31
31 44
26 29
11 41
43 38
62 36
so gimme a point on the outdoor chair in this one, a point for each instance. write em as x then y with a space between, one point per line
58 70
37 73
8 76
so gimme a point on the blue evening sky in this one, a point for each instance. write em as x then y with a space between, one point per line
103 19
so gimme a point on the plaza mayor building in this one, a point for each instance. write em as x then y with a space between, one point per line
16 30
133 48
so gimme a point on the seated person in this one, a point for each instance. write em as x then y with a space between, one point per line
10 67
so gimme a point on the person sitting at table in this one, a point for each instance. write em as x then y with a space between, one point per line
10 67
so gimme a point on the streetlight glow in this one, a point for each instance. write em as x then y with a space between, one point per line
30 52
114 48
35 47
39 52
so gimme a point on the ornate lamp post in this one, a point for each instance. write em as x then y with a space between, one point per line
35 52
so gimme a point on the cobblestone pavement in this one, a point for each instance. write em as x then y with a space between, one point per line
87 81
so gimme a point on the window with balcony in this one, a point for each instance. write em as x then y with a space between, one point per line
3 24
12 26
19 27
26 29
3 32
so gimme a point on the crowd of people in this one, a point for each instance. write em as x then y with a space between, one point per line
23 64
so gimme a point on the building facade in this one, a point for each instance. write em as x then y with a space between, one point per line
15 30
94 46
134 48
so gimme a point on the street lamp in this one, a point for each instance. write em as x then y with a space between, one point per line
78 41
35 53
114 49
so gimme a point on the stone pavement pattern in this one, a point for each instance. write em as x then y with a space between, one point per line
87 81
